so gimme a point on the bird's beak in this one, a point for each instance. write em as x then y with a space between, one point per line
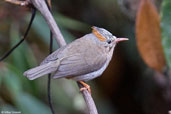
121 39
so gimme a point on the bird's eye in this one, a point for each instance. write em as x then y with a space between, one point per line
109 41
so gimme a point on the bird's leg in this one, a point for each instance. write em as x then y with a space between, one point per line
17 2
86 87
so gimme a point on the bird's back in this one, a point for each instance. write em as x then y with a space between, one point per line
79 57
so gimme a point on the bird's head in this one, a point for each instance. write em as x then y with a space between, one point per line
105 38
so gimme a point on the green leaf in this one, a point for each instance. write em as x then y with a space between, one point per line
16 56
71 23
12 82
9 108
22 57
30 105
25 103
166 29
27 85
42 29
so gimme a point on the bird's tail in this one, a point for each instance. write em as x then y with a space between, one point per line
41 70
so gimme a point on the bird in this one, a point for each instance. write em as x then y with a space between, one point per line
82 60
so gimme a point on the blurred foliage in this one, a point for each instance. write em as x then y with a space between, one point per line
128 86
166 33
41 27
16 84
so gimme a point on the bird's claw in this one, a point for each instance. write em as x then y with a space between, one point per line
86 87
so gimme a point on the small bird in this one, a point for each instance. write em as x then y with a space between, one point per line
82 60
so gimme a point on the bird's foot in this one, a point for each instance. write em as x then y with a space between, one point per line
86 87
18 2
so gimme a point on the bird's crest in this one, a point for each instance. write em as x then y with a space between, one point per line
97 34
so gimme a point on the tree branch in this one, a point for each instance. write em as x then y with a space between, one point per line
89 100
42 7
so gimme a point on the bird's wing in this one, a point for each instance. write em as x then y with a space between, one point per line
81 63
73 47
77 58
53 56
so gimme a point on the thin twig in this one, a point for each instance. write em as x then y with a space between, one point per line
24 37
41 6
49 75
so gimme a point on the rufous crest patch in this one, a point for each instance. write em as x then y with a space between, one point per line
98 35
